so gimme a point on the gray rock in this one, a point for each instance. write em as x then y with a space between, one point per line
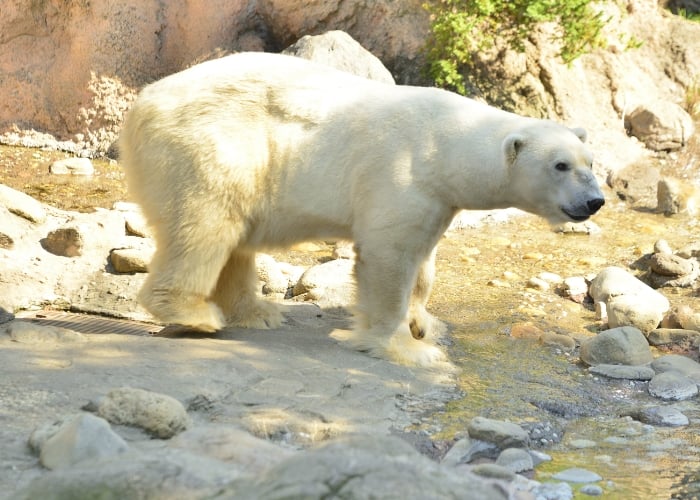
592 490
27 332
158 414
72 166
672 336
672 386
577 475
330 284
65 241
493 471
130 260
467 450
363 467
83 437
667 416
623 371
250 454
21 204
515 460
625 345
502 434
682 364
341 51
159 474
553 491
660 125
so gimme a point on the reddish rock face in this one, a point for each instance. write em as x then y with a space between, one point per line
72 68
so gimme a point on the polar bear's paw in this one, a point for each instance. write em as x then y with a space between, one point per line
400 348
260 314
406 350
191 311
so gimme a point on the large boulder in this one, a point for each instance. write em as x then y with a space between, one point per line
660 125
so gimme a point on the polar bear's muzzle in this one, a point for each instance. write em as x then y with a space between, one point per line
582 212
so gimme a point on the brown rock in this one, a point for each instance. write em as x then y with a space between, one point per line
670 265
66 242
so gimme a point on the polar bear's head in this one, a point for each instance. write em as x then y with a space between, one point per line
550 174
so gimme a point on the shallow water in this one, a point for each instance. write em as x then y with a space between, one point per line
481 292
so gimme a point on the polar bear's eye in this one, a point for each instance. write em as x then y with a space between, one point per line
562 167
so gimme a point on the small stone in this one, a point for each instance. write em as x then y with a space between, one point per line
670 265
525 331
344 250
6 241
667 416
575 285
493 471
623 371
577 475
559 340
537 284
270 274
625 346
330 284
676 362
72 166
130 260
158 414
662 246
503 434
467 450
582 443
515 460
672 336
65 242
85 437
672 386
135 224
551 278
592 490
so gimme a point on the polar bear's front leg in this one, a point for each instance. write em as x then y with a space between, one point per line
385 279
422 324
235 294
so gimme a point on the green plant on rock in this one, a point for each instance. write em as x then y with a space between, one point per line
461 28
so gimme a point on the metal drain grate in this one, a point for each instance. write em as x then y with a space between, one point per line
86 323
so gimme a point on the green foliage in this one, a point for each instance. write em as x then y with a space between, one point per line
461 28
690 16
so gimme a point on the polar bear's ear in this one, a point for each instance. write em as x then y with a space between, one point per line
580 133
511 146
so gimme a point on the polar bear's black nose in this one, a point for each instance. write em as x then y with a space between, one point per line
595 204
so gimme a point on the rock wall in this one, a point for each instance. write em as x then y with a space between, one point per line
70 68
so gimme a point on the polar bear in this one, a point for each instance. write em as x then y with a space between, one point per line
256 151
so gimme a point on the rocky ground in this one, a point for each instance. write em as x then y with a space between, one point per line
91 404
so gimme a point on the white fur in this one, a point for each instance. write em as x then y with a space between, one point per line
255 151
